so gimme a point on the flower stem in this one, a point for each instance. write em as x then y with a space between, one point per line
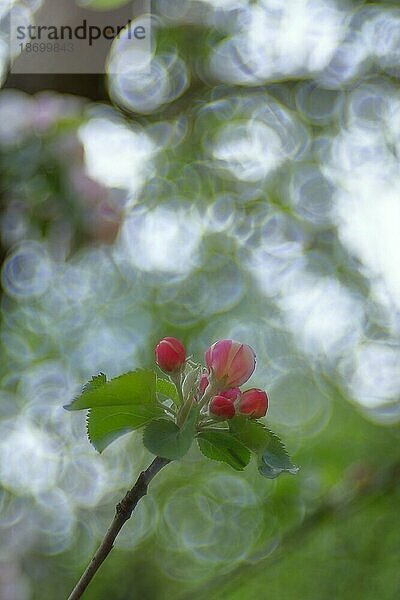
177 380
210 391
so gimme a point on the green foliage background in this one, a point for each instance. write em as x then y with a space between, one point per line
84 293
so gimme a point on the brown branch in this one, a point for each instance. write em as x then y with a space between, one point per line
123 512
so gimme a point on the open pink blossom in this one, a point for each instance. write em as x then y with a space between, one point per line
230 363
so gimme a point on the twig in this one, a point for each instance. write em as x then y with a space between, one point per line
123 512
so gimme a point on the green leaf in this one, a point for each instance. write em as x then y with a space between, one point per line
106 423
250 433
164 438
134 387
123 404
224 447
96 382
168 389
273 459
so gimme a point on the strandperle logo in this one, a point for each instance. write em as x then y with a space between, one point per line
86 32
60 36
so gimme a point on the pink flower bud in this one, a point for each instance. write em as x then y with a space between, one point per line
170 354
253 403
203 383
230 362
222 407
232 394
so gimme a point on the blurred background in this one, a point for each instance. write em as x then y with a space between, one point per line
246 186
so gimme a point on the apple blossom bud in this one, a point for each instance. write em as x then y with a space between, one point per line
170 355
230 363
253 403
222 407
203 383
232 394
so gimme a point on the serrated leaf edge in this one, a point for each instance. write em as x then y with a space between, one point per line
87 386
294 469
68 406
